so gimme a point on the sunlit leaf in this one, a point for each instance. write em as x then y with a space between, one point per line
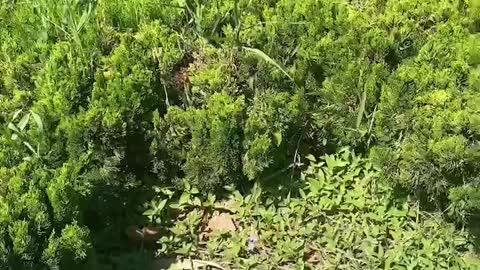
29 146
184 198
160 206
38 120
278 138
13 127
311 158
23 122
15 115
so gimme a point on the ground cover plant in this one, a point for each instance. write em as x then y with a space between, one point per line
117 117
342 217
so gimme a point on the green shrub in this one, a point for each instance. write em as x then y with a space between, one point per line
428 114
31 214
204 143
270 131
99 100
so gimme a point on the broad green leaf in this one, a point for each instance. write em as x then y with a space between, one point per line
333 162
278 138
311 158
184 250
37 120
197 202
302 193
315 186
149 212
167 192
23 122
184 199
15 115
397 212
13 127
381 251
320 175
161 205
211 198
181 3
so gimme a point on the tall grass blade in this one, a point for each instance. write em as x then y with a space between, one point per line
268 59
361 110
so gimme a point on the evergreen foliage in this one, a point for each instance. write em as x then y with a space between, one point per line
101 99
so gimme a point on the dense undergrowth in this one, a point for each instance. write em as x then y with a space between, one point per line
101 101
343 216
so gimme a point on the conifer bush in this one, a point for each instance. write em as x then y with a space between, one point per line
101 100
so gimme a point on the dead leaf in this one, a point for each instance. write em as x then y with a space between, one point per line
221 223
314 256
151 234
146 234
134 234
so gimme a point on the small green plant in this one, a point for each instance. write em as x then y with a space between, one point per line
20 132
343 216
